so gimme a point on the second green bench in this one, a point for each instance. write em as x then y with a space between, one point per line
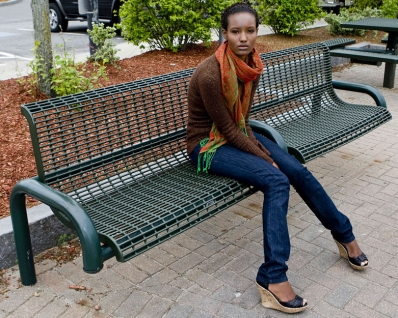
363 55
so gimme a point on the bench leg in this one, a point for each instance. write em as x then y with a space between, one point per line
389 75
23 244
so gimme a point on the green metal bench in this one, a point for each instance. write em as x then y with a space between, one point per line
338 42
112 164
356 54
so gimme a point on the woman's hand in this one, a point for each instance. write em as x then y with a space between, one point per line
275 165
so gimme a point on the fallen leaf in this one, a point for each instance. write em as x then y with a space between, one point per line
77 287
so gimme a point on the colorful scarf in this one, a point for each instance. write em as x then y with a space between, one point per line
232 69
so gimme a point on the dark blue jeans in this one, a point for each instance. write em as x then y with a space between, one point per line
275 184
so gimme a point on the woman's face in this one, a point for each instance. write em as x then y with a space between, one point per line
241 34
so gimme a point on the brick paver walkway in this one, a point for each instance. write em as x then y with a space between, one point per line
209 271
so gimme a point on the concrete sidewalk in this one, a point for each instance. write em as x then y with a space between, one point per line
209 271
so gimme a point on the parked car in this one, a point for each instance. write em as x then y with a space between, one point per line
63 11
334 5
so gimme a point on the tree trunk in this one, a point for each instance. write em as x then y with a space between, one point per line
42 36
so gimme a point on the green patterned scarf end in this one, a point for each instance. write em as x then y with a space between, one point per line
205 158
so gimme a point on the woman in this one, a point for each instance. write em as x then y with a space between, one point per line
220 141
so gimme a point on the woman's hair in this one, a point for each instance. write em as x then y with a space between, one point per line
237 8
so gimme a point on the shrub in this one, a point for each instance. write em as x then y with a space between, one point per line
170 24
363 4
390 8
101 36
288 16
345 15
66 75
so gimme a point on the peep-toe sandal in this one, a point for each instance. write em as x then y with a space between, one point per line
269 300
359 263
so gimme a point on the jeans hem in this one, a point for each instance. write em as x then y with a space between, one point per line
272 281
345 241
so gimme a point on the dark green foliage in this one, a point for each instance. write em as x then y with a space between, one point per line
170 24
102 37
390 8
288 16
345 15
363 4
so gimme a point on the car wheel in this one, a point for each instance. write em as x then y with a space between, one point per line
57 20
117 20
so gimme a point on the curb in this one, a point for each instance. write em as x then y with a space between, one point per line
9 2
45 230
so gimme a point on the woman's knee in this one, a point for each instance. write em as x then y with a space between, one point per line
277 180
298 174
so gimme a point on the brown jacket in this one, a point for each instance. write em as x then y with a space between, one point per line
206 105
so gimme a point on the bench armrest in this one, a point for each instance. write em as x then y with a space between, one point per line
92 258
362 88
268 131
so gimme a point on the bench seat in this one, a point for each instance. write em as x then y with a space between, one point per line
131 216
366 56
369 57
310 133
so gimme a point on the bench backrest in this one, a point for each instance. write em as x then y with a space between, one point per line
292 82
84 138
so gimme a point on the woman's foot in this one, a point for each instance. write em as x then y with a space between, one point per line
281 297
283 291
351 251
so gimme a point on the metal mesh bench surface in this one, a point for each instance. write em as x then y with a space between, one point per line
120 153
297 98
338 42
